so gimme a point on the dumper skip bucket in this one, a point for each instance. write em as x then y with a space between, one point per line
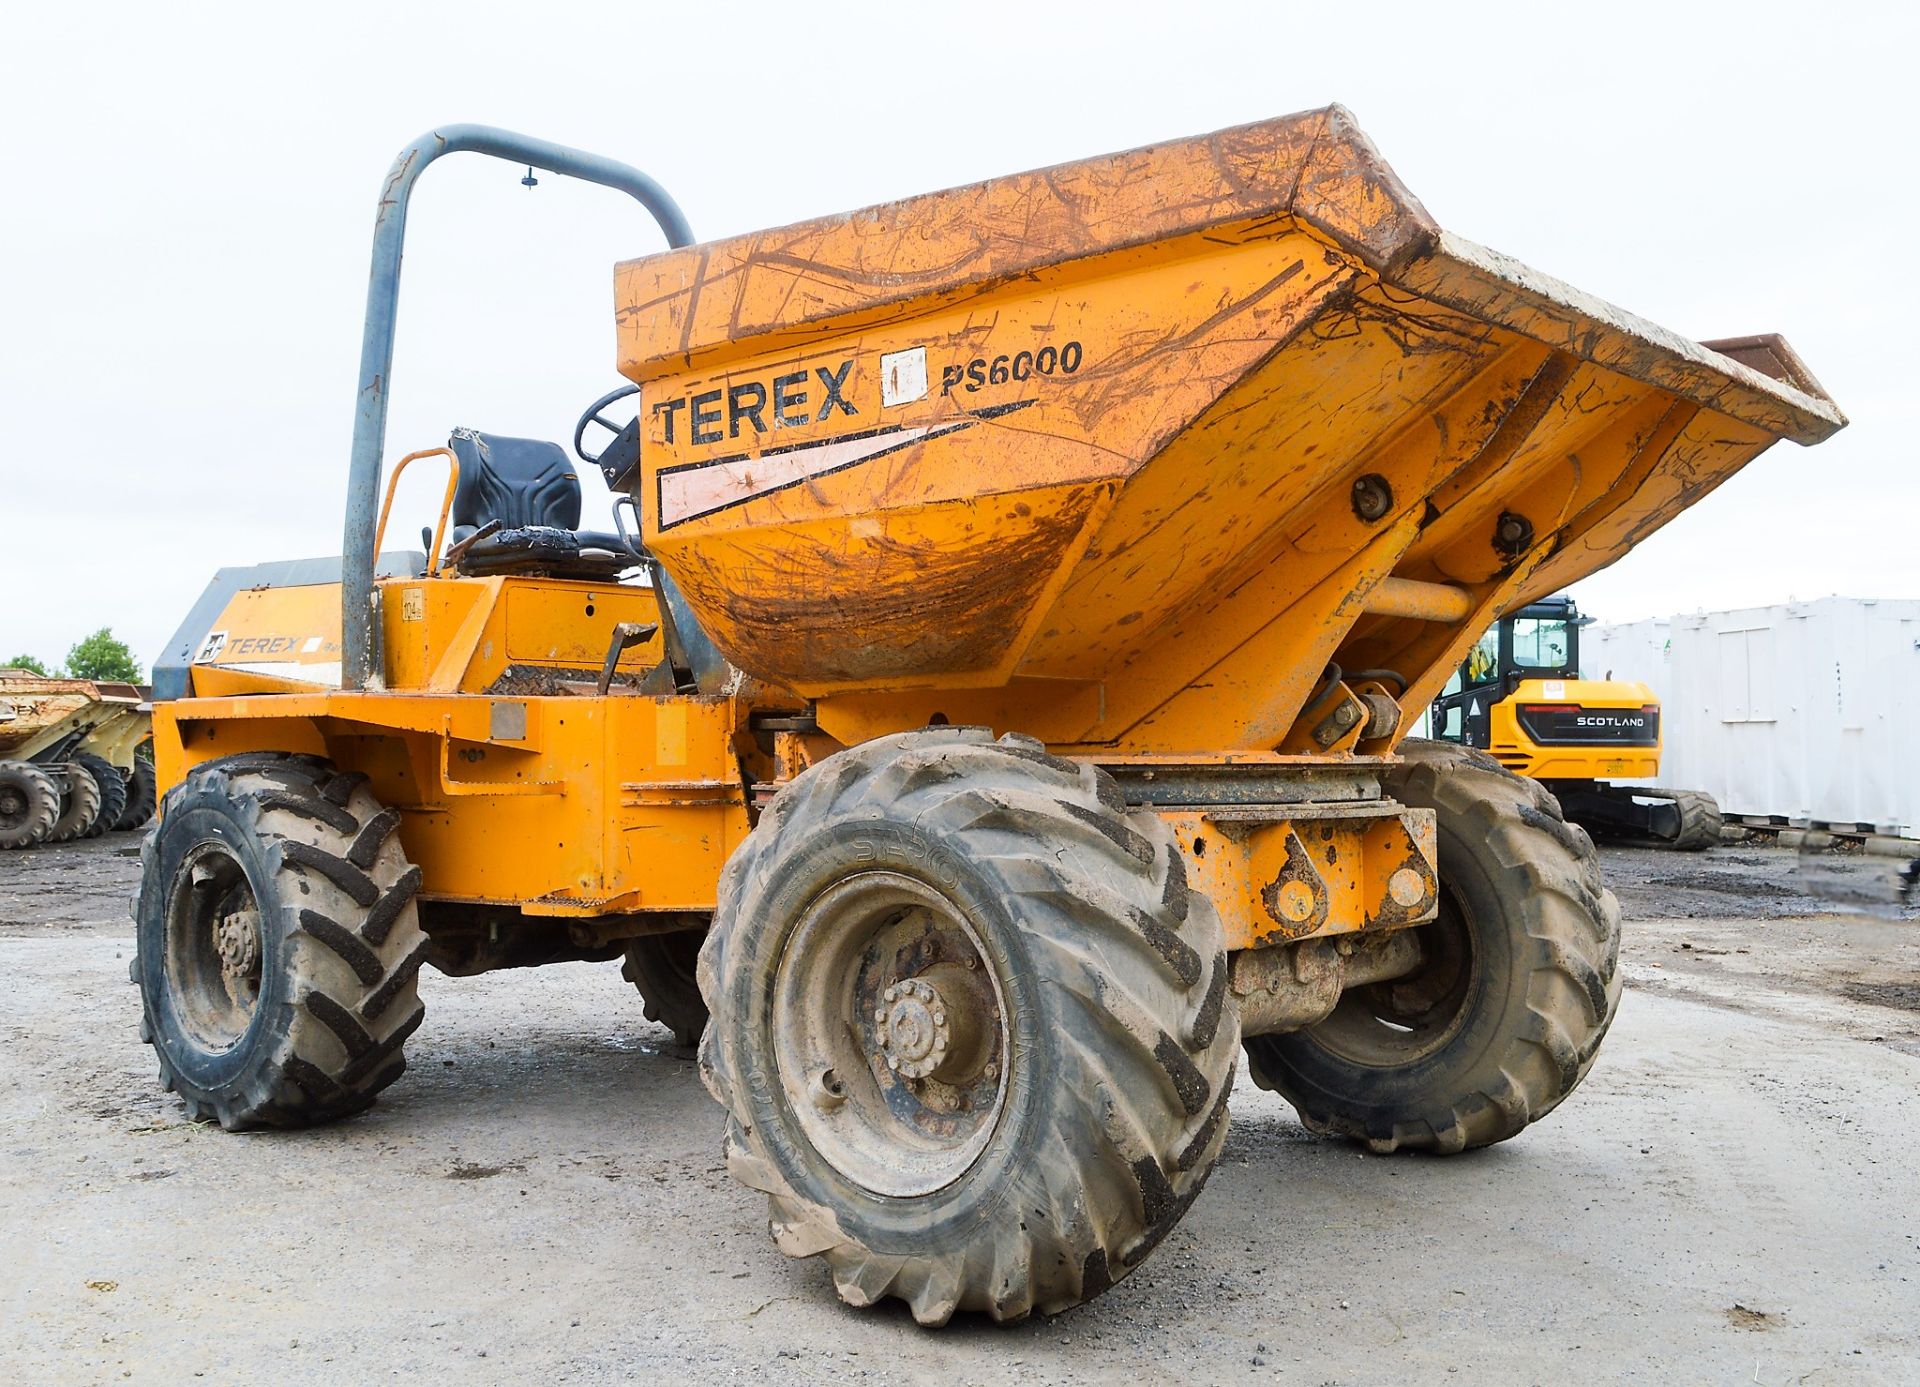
1128 451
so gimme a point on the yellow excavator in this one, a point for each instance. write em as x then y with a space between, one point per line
1519 696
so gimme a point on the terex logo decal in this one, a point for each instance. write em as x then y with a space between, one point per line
786 399
693 489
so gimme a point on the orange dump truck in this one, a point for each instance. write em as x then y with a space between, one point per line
995 716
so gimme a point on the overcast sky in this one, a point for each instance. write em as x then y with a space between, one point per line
189 190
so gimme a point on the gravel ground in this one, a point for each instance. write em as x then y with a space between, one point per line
1730 1198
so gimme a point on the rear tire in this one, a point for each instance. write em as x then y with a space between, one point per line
1519 983
29 805
1700 821
1026 1006
113 792
79 807
664 969
279 946
141 795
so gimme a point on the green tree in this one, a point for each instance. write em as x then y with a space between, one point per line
102 656
27 662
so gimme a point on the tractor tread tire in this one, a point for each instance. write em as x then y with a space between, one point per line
142 796
664 970
113 792
41 805
1546 1010
341 936
1122 1107
79 808
1700 820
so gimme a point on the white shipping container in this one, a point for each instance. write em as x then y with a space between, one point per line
1631 650
1804 711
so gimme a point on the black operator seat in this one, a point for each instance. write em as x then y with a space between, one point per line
530 487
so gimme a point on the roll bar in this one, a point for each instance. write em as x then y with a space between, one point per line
357 635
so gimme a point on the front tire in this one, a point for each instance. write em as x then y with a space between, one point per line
29 805
969 1025
1518 983
279 946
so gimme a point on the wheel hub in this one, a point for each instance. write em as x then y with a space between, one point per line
1402 1020
237 939
912 1030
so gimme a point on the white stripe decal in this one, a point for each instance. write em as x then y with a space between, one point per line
324 672
697 491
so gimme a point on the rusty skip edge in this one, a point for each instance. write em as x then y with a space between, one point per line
1635 347
1317 167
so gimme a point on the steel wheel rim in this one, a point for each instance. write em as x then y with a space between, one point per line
1387 1025
894 1100
214 948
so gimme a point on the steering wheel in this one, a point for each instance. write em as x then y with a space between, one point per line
595 415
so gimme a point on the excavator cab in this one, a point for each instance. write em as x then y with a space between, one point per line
1519 696
1540 642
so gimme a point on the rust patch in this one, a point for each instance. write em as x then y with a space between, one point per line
1391 912
1296 899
